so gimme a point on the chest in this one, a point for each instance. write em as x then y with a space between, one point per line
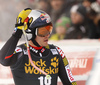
49 64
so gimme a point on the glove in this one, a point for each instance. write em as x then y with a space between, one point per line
21 18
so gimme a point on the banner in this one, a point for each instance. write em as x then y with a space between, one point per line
80 62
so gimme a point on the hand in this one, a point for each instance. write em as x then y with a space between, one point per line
21 18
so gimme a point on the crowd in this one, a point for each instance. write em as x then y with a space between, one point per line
72 19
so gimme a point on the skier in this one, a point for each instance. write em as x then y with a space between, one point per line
48 58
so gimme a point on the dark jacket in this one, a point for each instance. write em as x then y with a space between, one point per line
50 59
87 29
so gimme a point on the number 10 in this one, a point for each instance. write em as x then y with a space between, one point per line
44 81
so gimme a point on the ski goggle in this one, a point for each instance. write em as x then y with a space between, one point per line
44 31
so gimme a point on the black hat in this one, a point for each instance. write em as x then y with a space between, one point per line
79 9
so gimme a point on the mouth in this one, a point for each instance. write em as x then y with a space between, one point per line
46 40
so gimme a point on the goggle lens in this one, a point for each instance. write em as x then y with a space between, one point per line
44 31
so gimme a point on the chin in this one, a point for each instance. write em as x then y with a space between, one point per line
45 44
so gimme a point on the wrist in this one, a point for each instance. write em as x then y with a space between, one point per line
17 33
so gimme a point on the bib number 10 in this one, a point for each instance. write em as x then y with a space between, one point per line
44 80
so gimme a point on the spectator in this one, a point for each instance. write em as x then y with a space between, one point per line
93 14
58 9
87 3
91 5
62 25
43 5
96 6
82 27
95 17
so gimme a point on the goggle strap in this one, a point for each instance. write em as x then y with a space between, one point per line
35 43
36 31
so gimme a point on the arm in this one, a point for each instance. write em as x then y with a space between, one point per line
64 70
6 53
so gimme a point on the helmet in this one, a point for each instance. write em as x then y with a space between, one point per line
37 19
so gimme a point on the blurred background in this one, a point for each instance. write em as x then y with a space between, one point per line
80 18
76 27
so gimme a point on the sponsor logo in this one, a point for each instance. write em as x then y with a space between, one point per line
42 50
29 69
34 50
54 51
45 16
54 62
78 63
18 49
70 76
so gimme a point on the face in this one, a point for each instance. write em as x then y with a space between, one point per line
42 34
42 41
60 30
76 18
86 3
43 5
57 4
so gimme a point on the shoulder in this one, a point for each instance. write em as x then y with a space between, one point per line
52 46
60 52
19 48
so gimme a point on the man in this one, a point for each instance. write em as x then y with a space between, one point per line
49 58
